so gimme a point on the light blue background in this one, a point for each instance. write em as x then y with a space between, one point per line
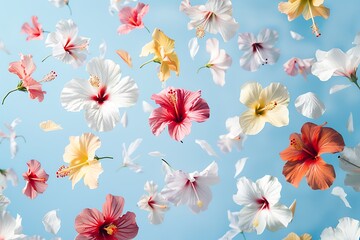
315 209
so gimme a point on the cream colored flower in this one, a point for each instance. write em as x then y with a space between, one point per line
293 236
83 163
265 105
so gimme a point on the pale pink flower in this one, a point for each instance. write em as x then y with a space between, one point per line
24 69
35 32
101 95
191 189
35 178
131 18
295 66
258 50
178 107
219 61
67 45
213 17
110 224
61 3
154 202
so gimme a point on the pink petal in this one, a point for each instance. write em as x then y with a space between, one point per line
128 229
113 207
88 222
179 130
158 120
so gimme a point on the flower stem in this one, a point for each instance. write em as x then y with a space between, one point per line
243 234
357 85
67 4
147 29
21 136
46 58
146 63
8 95
99 158
201 68
45 31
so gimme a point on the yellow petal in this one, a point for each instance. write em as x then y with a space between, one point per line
48 126
163 41
320 11
164 72
292 236
149 48
293 207
125 56
293 8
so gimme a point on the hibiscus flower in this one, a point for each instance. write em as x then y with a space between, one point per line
219 61
66 44
154 202
295 66
61 3
213 17
265 105
35 32
10 228
192 189
234 138
178 107
261 205
347 229
164 53
308 8
83 163
12 136
258 50
294 236
101 96
110 224
24 69
336 63
303 156
131 18
35 178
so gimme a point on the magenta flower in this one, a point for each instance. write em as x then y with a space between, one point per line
35 32
178 107
91 224
131 18
35 178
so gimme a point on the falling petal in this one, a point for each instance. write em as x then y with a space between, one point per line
309 105
339 191
350 123
206 147
124 120
156 154
239 166
48 126
296 36
125 56
102 49
3 48
52 222
293 208
193 47
337 88
147 107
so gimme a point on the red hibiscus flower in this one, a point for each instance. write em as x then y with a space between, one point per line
303 156
91 224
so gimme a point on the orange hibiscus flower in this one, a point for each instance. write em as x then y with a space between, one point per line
303 155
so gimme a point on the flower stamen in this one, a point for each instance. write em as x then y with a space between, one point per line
314 27
199 202
255 48
94 81
64 171
173 100
268 107
49 77
110 229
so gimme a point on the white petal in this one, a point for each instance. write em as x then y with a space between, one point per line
251 123
233 126
156 154
134 145
76 95
206 147
147 107
124 120
102 49
350 160
229 235
4 202
337 88
52 222
102 118
279 217
350 123
247 192
309 105
193 47
3 48
49 125
296 36
270 188
12 176
239 166
339 192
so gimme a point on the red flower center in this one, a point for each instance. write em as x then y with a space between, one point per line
108 229
263 203
101 97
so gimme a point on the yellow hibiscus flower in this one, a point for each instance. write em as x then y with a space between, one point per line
163 49
83 163
308 8
293 236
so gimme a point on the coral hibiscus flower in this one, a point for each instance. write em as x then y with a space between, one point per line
91 224
303 155
178 107
35 178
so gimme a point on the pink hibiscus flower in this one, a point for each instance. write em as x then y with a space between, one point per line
35 178
24 69
178 107
91 224
131 18
35 32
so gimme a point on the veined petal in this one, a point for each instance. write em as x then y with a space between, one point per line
250 94
106 70
247 192
279 217
76 95
113 206
320 175
124 93
330 141
179 130
158 120
251 123
104 117
294 171
270 188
